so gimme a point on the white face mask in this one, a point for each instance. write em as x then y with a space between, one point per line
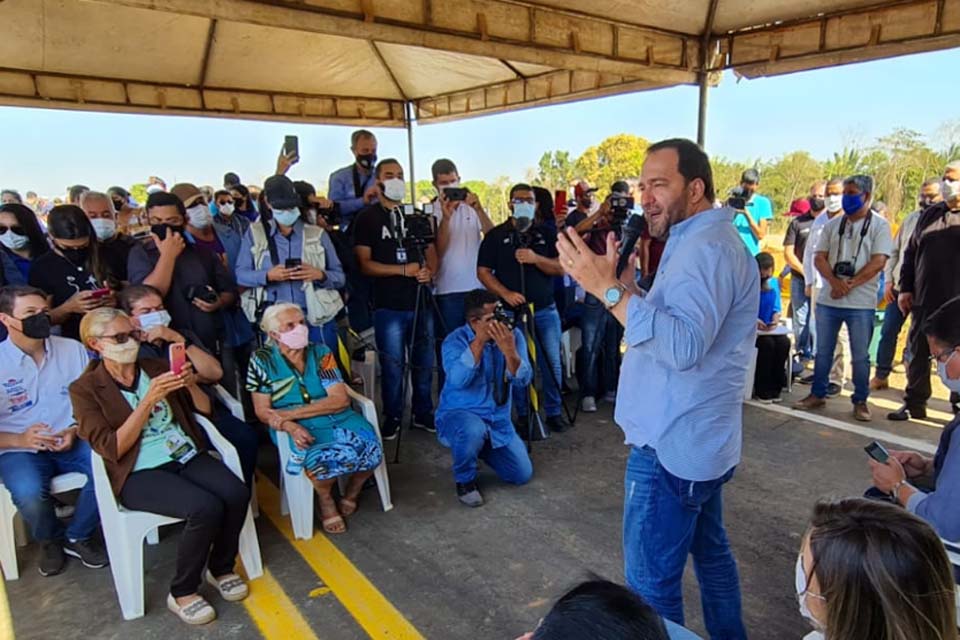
199 216
800 579
452 185
951 190
834 203
14 241
949 383
394 189
226 209
154 319
104 228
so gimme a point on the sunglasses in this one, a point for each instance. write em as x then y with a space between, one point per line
123 338
17 229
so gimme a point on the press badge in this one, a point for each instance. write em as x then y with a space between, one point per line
181 449
401 255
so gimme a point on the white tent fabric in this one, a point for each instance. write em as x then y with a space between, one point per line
361 61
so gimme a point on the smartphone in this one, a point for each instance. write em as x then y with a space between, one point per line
291 146
878 452
178 357
100 293
293 263
455 194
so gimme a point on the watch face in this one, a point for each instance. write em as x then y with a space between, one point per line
612 295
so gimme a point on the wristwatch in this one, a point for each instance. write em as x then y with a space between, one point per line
613 295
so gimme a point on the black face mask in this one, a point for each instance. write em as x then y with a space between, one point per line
36 326
367 160
818 204
77 257
118 204
160 230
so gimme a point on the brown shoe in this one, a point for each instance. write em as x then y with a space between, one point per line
879 384
810 402
862 412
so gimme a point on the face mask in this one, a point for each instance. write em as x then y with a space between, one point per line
394 189
118 204
75 256
951 189
312 216
852 204
14 241
834 203
296 338
817 204
104 228
226 209
953 385
286 217
801 584
367 160
523 213
161 230
36 326
125 353
154 319
199 216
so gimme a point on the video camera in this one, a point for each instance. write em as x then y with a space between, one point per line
620 208
414 228
737 198
330 215
504 316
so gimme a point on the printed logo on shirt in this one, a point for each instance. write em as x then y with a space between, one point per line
385 234
17 396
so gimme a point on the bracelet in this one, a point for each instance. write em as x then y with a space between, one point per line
895 492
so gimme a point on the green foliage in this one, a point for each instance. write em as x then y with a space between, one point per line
555 170
139 192
616 158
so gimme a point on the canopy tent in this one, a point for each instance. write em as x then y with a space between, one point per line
373 62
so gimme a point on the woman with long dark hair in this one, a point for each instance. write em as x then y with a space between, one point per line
72 273
21 236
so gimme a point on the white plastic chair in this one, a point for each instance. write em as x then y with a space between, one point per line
569 343
8 511
236 409
125 530
953 553
297 491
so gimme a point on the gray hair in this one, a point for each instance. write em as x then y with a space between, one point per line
863 182
270 320
832 182
360 134
87 196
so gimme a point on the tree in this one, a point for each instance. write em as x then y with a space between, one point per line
789 178
139 192
726 175
555 170
843 164
616 158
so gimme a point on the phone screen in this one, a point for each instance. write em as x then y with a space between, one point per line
293 263
291 146
877 451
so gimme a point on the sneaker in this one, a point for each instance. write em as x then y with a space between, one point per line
197 612
469 495
833 390
767 400
588 404
90 552
52 559
611 397
862 412
558 423
807 379
905 412
879 384
390 428
810 402
425 422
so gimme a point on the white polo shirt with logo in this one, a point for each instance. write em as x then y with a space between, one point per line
458 265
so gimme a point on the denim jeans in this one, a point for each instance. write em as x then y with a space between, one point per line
666 518
27 476
547 326
468 436
859 324
393 330
801 317
889 334
601 347
452 315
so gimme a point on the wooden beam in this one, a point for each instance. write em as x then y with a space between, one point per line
207 48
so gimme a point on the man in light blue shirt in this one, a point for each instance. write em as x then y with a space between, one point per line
752 222
353 187
483 359
689 342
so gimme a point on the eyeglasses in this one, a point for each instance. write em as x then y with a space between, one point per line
945 355
122 338
17 229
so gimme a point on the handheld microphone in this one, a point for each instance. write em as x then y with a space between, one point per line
632 230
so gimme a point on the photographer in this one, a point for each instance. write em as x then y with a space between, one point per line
518 261
195 283
850 254
482 360
461 221
284 259
752 218
396 269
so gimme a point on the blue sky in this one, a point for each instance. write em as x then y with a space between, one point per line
820 111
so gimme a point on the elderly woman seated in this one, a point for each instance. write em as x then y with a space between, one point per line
297 389
138 416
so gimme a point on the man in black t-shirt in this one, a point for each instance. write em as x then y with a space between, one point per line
396 272
803 212
517 262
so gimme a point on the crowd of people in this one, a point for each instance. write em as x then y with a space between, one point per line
129 315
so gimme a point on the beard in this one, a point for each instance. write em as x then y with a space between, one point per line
676 213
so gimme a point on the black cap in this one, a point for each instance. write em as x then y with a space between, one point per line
280 193
230 179
620 186
750 176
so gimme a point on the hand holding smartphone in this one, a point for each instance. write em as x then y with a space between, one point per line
178 357
878 452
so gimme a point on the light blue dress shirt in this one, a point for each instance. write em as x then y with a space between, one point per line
471 385
689 341
341 190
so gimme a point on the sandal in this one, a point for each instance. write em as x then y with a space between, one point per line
329 525
196 612
348 507
232 588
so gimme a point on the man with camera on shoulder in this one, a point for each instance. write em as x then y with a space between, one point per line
483 360
397 265
851 252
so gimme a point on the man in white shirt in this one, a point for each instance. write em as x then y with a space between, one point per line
461 220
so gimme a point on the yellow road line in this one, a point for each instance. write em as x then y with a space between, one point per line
275 615
6 622
378 617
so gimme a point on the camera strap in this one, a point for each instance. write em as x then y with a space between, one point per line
271 242
357 183
863 233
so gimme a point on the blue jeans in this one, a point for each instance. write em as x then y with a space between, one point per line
801 316
451 313
892 324
601 346
468 437
666 518
393 331
860 329
27 476
547 326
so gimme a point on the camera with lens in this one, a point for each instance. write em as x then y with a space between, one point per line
414 228
738 198
620 208
844 269
505 316
330 215
202 292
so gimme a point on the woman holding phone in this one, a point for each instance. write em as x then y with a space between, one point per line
138 416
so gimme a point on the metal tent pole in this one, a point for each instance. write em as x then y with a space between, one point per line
702 114
408 117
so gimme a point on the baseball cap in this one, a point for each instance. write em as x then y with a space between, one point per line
582 189
280 193
799 207
750 176
188 193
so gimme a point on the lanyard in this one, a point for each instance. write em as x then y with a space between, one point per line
863 233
